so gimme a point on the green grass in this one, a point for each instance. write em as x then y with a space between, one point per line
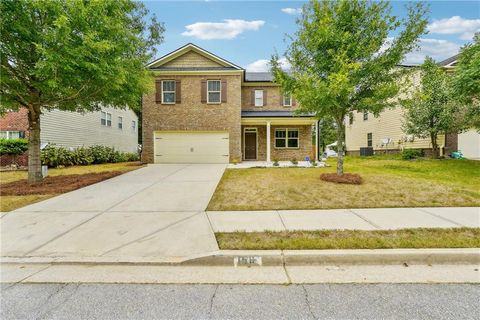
354 239
388 182
8 203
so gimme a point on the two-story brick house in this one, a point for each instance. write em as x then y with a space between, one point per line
206 109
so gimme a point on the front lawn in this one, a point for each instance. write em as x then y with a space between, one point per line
15 192
388 182
351 239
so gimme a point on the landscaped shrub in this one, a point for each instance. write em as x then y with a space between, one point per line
346 178
294 161
13 146
275 163
58 156
409 154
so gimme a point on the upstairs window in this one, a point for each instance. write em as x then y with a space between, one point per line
120 123
258 98
369 139
350 119
134 125
287 100
213 91
106 119
168 91
365 116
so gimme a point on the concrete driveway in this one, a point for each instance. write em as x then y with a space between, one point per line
156 212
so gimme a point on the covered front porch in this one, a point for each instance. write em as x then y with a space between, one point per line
278 136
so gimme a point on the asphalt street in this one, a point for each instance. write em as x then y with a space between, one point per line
325 301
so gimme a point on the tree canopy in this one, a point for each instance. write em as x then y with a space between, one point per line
430 109
344 60
73 56
466 81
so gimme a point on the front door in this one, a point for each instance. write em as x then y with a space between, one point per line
250 145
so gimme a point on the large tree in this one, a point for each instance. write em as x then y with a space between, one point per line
74 56
430 109
466 82
344 59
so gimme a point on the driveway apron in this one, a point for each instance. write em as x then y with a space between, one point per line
155 212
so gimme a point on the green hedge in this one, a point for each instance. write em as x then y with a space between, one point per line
58 156
409 154
13 146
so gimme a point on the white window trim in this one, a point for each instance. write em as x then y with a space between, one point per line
286 138
106 118
8 134
370 133
365 113
287 105
174 92
219 91
134 125
255 97
120 122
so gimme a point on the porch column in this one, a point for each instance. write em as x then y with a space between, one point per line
268 141
317 152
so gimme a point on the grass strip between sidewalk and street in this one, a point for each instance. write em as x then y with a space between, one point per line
351 239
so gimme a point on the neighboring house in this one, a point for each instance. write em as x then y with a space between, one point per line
384 133
109 127
206 109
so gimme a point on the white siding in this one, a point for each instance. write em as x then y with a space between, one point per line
469 144
73 129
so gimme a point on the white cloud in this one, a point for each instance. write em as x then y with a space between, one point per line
455 25
228 29
292 11
435 48
263 65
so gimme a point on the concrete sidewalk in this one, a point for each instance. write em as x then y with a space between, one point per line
345 219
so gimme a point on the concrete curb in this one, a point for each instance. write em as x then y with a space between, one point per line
279 258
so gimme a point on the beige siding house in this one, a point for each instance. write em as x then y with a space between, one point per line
385 134
109 127
206 109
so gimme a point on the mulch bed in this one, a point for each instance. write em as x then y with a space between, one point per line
346 178
55 184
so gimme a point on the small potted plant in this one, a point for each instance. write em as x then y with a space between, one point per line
294 161
275 163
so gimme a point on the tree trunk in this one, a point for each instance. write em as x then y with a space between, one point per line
340 145
34 161
433 139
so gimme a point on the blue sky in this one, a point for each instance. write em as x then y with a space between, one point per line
247 33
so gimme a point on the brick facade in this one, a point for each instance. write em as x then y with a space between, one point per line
305 143
189 66
15 121
192 115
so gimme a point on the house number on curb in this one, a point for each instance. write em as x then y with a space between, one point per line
247 261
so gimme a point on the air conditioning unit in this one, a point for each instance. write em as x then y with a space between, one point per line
366 151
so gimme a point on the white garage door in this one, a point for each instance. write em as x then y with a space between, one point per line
191 147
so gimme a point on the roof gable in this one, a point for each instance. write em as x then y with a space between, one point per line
191 56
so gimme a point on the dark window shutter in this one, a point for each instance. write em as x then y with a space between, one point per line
264 98
224 90
252 100
203 91
178 91
158 91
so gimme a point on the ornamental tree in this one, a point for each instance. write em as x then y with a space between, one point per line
343 59
466 82
430 110
73 56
